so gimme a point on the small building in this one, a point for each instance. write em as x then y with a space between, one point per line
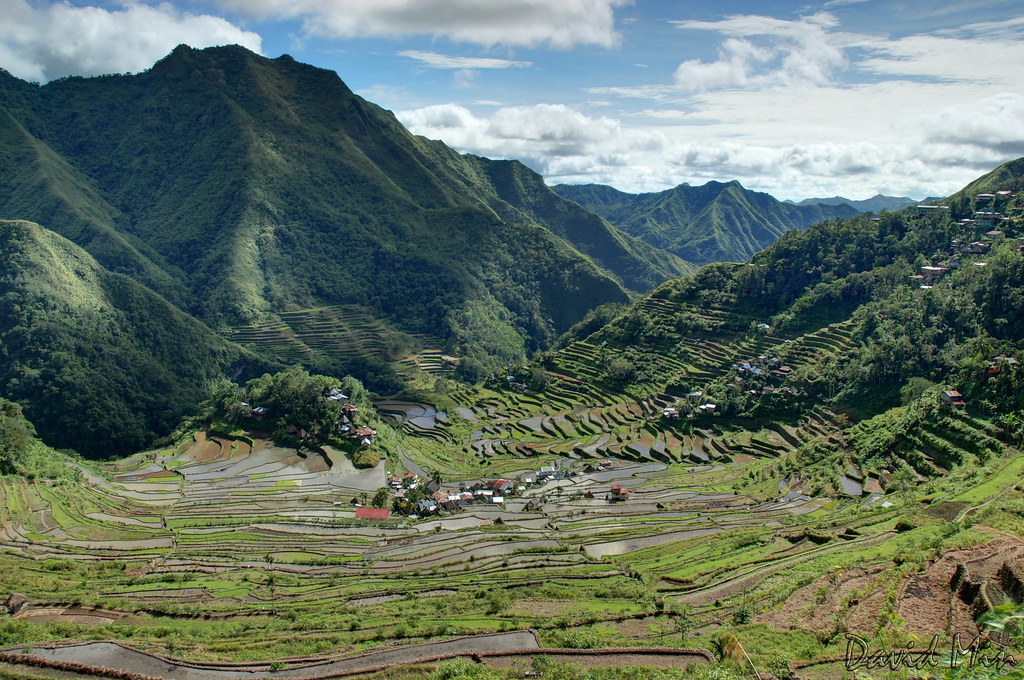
501 486
952 399
618 492
996 366
930 273
533 505
15 603
372 513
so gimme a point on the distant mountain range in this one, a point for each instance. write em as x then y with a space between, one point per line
715 222
876 203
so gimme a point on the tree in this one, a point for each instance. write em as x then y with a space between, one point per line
380 498
15 436
684 622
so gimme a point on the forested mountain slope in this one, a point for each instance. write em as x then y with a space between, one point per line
238 186
716 222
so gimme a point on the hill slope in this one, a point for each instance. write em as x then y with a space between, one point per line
717 222
243 185
876 203
101 364
864 274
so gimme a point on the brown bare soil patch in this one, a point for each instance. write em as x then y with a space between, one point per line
958 586
850 594
241 449
211 452
85 617
639 628
530 607
947 511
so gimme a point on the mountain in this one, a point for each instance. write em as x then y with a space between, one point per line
237 186
716 222
862 308
100 363
875 204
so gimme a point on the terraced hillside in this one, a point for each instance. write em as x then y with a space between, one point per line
754 461
622 529
340 334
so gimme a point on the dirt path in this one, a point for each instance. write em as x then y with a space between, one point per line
117 657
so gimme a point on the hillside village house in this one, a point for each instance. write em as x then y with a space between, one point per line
952 399
372 513
997 364
618 493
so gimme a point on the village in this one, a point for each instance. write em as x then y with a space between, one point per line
416 497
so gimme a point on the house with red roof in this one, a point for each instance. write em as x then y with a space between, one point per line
373 513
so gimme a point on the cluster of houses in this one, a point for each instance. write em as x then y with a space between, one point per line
347 426
985 217
769 363
931 273
514 384
1002 362
432 500
347 421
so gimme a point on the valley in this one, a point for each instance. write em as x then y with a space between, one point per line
309 396
191 551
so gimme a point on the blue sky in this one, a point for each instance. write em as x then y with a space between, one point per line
799 99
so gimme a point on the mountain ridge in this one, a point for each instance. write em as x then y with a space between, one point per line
257 183
876 203
718 221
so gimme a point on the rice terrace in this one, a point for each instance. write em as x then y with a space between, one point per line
591 518
290 391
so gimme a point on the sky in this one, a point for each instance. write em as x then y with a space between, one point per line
798 99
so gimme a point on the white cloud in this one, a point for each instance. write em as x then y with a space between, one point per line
41 42
553 139
994 124
801 108
935 153
435 60
943 59
560 24
787 53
